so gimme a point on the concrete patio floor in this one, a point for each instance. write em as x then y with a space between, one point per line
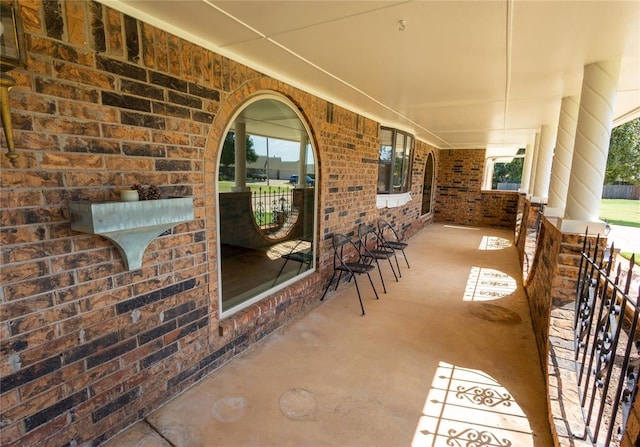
446 358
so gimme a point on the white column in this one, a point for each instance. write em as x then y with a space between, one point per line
543 165
487 181
526 169
534 166
302 163
589 161
240 156
561 167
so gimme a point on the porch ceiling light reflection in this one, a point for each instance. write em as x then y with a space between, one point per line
494 243
484 284
467 407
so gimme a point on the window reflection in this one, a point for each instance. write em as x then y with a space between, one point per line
266 203
394 161
427 189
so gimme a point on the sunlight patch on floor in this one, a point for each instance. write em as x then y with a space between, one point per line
494 243
484 284
456 227
276 251
467 407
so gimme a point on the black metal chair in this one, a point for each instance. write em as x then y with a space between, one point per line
372 249
348 259
301 252
390 239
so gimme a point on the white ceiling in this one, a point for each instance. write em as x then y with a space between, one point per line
462 74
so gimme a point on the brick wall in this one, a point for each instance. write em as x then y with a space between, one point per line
88 347
408 220
459 199
551 290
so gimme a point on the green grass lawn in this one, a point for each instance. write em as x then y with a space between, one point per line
627 255
621 212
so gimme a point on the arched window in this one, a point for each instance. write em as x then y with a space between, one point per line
427 188
266 203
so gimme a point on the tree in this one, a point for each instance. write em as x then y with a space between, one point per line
508 172
228 156
623 162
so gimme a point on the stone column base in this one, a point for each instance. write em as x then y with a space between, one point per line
554 211
581 226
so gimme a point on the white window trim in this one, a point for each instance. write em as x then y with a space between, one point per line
392 200
312 270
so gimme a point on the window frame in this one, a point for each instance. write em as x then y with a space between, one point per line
490 162
431 193
313 267
397 176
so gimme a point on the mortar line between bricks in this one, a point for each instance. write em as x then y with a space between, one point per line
146 421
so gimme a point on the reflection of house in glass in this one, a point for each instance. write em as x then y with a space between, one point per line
276 169
256 223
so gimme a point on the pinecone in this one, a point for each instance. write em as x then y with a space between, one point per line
153 193
142 192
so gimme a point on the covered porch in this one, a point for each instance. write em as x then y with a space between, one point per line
447 357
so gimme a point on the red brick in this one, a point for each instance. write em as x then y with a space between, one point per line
114 29
67 90
39 352
72 161
88 319
29 12
82 380
9 400
53 394
170 138
40 319
91 242
31 304
175 48
93 112
11 432
38 286
30 179
117 378
104 270
161 49
77 260
21 272
126 132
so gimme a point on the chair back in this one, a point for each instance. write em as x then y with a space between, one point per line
387 232
343 247
369 238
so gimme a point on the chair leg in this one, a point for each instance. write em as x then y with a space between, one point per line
280 272
372 286
338 281
392 269
359 297
326 289
397 264
384 288
405 259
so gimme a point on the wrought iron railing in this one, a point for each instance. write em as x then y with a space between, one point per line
272 207
606 344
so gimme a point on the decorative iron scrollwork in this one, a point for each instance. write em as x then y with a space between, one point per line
484 396
475 438
606 323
